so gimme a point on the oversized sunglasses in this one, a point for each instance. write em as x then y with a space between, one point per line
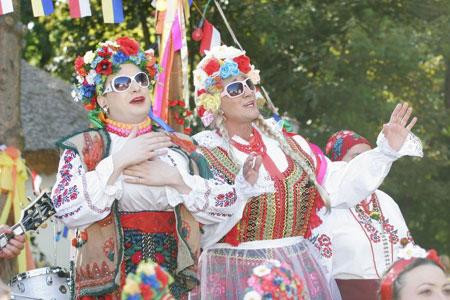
236 88
122 83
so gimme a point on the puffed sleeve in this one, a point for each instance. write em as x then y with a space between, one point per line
81 198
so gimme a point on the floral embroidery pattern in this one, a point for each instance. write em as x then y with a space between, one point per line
63 192
108 249
225 200
323 244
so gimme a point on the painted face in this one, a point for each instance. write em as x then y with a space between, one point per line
242 108
355 151
131 105
425 282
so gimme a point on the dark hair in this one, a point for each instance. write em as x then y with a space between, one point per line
398 283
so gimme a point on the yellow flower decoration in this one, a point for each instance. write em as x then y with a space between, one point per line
210 102
131 286
146 268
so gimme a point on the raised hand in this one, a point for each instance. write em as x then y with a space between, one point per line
251 168
14 245
398 128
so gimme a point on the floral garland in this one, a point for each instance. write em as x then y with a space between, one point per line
218 64
149 282
274 280
94 67
181 114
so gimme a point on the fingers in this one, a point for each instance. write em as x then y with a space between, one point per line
394 115
133 133
248 164
411 124
134 180
18 242
4 229
406 116
258 162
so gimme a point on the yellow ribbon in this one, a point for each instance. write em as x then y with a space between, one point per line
13 174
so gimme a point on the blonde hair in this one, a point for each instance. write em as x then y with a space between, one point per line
268 130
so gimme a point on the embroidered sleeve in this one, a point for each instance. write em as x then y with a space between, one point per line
348 183
81 198
213 200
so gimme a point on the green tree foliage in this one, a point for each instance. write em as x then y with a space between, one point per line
330 64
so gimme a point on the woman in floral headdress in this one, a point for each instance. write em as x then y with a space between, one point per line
276 224
100 187
417 274
369 233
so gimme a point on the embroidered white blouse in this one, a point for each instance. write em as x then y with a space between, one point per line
355 246
346 183
82 198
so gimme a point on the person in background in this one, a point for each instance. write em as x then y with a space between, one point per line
369 233
416 275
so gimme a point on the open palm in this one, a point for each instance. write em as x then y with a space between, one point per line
398 127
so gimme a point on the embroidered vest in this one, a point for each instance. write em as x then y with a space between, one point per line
92 277
285 213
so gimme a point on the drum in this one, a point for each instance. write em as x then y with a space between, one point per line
50 283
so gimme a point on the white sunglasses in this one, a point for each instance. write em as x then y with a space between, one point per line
121 83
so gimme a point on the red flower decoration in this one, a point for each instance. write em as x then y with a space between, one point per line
160 258
161 276
243 62
146 291
104 67
181 103
128 46
79 66
201 111
105 53
200 92
136 257
180 121
187 130
211 67
173 103
151 70
187 113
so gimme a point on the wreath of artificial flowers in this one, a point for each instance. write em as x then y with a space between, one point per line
150 282
93 68
274 280
218 64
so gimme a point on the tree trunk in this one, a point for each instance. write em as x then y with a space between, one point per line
11 132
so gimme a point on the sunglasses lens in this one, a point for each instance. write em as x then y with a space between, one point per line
235 89
142 79
250 84
121 83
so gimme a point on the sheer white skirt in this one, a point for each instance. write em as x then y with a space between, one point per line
224 269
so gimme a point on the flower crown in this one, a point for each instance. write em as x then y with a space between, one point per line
407 255
274 280
219 63
149 282
93 68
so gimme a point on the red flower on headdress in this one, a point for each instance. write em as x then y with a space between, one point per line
79 66
151 70
200 92
201 111
91 105
105 53
187 130
211 67
128 46
243 62
104 67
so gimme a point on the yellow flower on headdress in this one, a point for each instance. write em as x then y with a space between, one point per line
210 102
89 57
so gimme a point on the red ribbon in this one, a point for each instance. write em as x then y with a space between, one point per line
256 145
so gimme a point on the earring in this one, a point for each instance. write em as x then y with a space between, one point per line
105 109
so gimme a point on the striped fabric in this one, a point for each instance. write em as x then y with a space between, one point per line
6 7
112 11
79 8
42 7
